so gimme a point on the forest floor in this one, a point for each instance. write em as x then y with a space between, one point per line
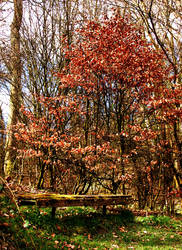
85 228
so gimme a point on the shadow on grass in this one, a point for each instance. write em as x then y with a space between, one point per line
86 228
89 229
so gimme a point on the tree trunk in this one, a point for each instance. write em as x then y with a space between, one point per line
15 91
2 141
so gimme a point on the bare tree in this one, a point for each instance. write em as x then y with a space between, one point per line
2 141
15 92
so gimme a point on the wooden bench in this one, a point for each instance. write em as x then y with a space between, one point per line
57 200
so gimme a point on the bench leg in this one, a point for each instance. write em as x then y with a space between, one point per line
104 210
53 212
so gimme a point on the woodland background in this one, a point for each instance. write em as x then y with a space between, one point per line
94 98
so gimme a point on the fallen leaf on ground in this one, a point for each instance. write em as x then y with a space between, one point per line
122 229
58 227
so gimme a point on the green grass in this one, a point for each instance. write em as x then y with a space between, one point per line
85 228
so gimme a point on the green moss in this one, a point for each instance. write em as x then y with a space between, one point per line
9 167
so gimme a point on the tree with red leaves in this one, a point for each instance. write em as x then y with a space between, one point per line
93 133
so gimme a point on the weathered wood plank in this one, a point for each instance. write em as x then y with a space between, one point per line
67 196
57 200
82 202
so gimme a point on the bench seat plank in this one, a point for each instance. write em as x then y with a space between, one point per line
57 200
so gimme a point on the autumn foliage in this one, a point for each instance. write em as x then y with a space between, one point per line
106 127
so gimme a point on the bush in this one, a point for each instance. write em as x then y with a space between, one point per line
156 220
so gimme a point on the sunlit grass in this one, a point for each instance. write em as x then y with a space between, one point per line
87 228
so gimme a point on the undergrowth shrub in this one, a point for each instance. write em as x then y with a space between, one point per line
156 220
